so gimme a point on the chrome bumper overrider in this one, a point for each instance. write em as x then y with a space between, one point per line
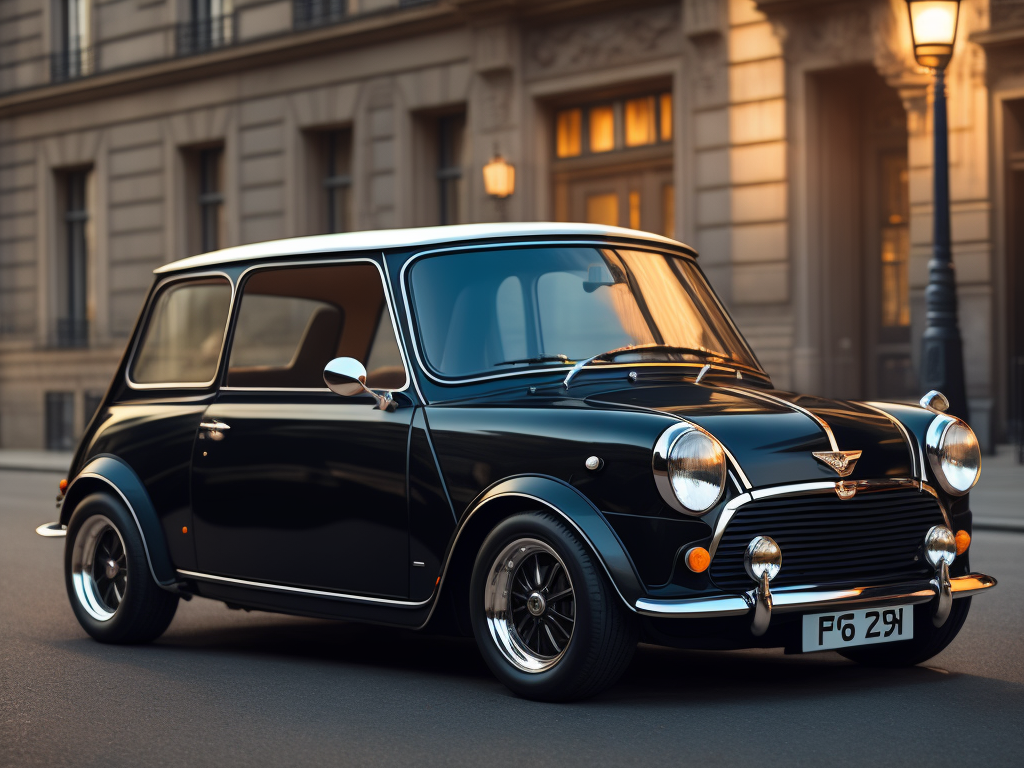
813 598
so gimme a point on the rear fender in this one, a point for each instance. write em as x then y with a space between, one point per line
111 474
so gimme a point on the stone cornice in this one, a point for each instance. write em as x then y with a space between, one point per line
293 45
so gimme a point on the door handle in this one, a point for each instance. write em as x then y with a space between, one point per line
216 429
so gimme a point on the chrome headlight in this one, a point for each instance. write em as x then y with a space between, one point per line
689 469
954 454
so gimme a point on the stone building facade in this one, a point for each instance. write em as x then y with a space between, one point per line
789 140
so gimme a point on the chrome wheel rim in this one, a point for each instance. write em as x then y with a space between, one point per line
99 568
530 605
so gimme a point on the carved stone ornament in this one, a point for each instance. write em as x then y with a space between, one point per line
605 42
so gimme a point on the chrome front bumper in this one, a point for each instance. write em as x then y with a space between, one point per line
814 598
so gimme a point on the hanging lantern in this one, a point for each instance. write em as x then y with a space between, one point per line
499 177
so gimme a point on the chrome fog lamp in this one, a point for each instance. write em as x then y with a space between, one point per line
954 454
689 469
939 546
763 557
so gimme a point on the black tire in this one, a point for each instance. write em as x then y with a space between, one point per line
129 606
928 640
603 633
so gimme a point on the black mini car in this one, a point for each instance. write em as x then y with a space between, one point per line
551 437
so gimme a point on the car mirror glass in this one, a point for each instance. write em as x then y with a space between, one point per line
345 376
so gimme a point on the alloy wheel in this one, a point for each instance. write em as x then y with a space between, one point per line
530 605
99 567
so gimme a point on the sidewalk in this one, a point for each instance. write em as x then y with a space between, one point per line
997 501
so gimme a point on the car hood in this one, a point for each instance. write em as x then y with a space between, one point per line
772 434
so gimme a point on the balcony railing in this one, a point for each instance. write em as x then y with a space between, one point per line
307 14
200 35
71 64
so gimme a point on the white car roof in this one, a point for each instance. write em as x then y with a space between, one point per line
384 239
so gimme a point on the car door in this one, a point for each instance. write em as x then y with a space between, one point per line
292 484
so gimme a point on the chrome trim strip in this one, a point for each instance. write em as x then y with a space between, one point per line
399 331
677 417
532 371
812 487
148 315
758 395
328 262
811 597
135 517
300 590
903 431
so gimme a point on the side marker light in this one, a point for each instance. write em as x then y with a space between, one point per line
963 541
64 485
184 529
698 559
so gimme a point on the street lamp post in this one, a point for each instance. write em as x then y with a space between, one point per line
933 26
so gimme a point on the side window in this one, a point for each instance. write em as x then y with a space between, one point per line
182 340
292 321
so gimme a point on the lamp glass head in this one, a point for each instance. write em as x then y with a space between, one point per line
933 26
499 177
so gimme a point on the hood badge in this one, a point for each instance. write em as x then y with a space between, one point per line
842 462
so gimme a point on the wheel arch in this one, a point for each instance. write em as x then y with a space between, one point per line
108 474
528 493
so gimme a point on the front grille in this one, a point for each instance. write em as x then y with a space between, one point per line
873 537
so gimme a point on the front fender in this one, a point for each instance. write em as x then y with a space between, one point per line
106 473
579 512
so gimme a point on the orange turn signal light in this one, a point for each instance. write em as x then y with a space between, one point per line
184 529
63 485
698 559
963 541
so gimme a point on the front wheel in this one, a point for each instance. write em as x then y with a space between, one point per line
928 640
547 621
112 591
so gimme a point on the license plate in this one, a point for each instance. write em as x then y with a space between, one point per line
826 631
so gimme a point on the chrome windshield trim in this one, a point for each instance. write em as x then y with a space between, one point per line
821 486
812 597
402 279
147 316
322 263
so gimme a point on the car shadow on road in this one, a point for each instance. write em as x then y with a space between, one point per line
656 675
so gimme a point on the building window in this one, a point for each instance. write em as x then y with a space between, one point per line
337 180
91 402
614 125
211 24
895 251
318 13
73 55
72 266
451 132
60 421
205 170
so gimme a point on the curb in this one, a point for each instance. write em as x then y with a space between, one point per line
999 524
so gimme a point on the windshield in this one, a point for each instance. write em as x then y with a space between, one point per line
488 311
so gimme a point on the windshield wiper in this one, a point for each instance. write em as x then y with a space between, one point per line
537 359
612 353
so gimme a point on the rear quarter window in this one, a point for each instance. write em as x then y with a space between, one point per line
184 334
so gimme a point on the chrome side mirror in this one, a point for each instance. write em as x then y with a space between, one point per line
935 401
346 376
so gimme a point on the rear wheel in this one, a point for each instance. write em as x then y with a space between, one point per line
112 591
928 640
549 624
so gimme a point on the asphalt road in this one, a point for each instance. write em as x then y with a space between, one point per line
226 688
